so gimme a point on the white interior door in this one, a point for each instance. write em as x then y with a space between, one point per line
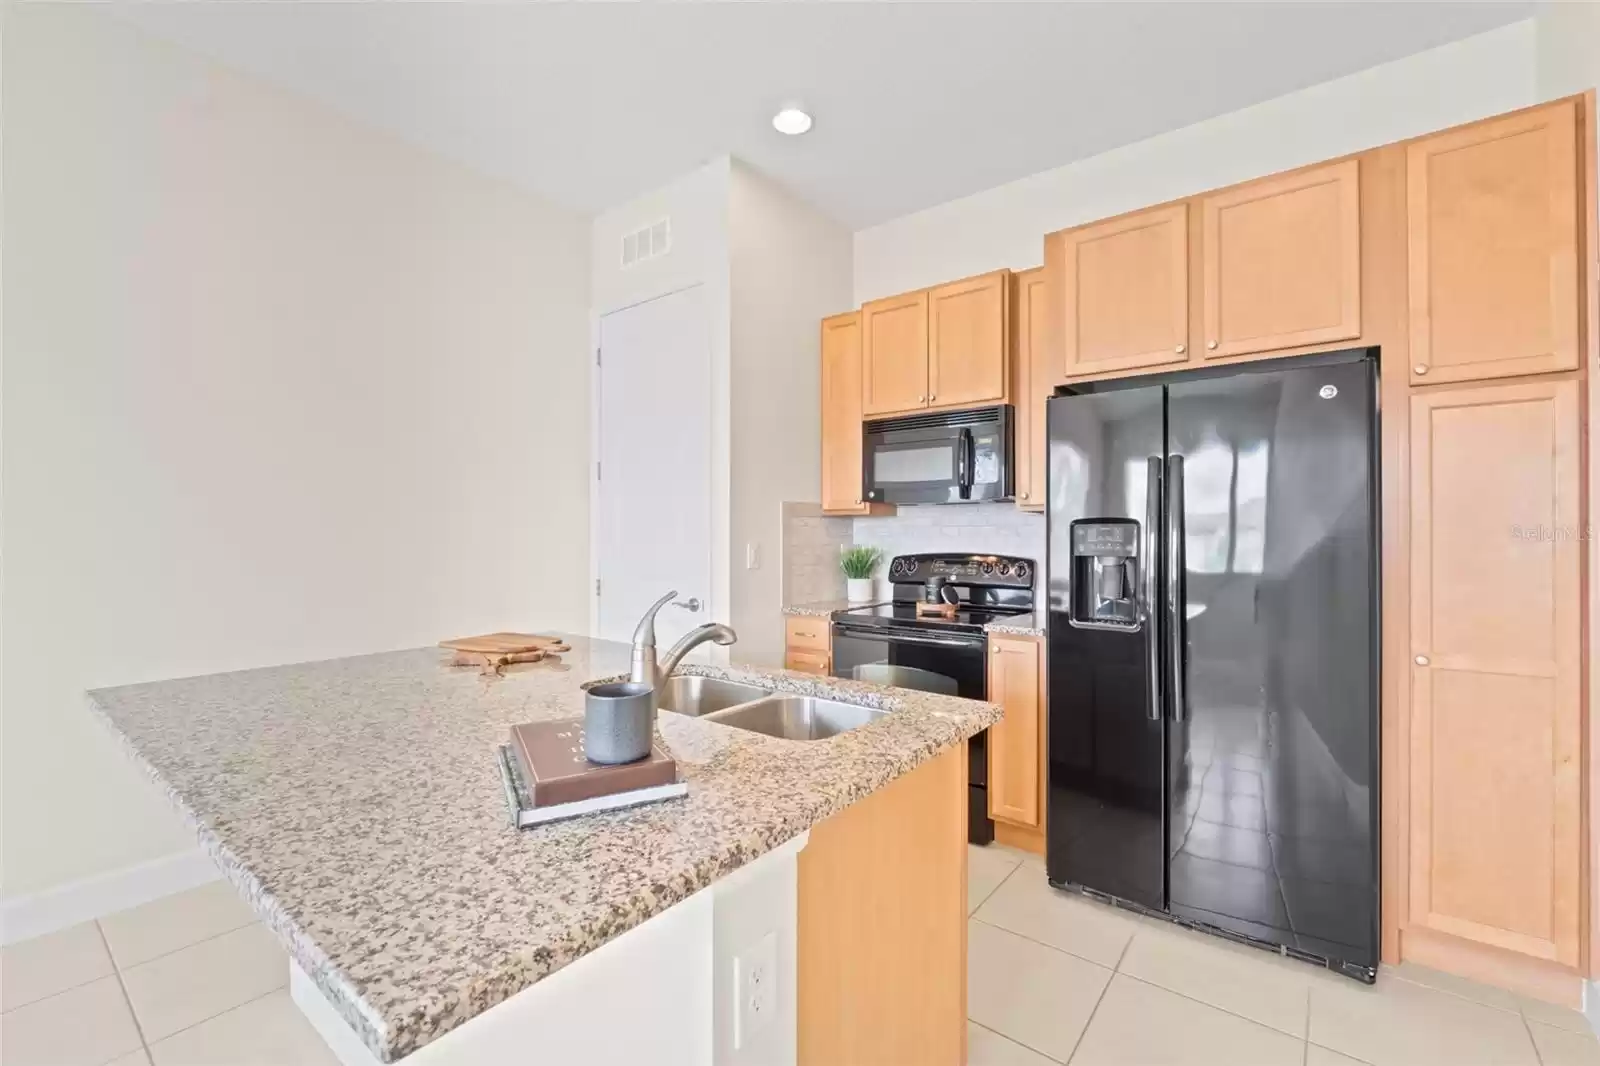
652 509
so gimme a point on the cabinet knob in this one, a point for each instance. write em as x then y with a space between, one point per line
995 650
922 399
1420 368
1024 494
1211 344
858 503
1180 349
1422 660
932 397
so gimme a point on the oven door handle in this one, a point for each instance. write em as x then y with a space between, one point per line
901 638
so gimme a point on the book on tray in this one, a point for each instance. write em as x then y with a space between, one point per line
547 778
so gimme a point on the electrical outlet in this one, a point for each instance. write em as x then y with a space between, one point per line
755 989
752 556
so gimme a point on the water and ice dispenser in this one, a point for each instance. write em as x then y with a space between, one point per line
1105 573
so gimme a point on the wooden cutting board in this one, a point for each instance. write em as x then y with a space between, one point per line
504 644
493 652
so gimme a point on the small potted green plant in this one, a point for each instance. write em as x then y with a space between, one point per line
859 562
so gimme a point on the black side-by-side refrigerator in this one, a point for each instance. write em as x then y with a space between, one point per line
1213 636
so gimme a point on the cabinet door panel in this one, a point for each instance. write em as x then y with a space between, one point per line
894 354
967 342
1014 744
1495 716
1282 262
841 414
1035 379
1124 291
1492 239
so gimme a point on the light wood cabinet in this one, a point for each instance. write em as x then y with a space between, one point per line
1123 291
807 644
894 354
938 348
968 330
1495 716
1281 262
1492 237
881 906
841 415
1016 744
1033 384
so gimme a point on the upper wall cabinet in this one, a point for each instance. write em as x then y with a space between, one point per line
1124 291
1035 379
1492 236
894 354
841 415
967 342
937 348
1281 262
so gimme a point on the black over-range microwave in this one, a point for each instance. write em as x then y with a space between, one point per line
948 457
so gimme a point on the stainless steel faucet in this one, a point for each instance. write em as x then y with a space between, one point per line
644 668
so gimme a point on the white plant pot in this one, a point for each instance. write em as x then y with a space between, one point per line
858 589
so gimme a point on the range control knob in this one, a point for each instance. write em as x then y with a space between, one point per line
1005 569
896 566
987 568
1021 571
911 566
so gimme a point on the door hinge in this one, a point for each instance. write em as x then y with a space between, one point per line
597 470
597 357
597 586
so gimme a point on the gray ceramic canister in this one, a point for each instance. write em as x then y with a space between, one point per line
618 722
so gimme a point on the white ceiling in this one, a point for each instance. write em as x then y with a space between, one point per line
590 104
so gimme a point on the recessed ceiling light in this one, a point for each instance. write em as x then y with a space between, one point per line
791 120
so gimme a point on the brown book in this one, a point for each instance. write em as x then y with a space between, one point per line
548 777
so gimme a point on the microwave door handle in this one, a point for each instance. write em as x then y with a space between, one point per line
963 472
1149 608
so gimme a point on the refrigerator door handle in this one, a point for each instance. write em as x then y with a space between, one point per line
1177 635
1149 608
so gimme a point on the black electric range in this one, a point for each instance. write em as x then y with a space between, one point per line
894 644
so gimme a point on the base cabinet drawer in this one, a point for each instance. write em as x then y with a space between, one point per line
811 662
806 633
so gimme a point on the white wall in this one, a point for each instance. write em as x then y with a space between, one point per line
1568 36
277 387
1005 226
697 205
790 267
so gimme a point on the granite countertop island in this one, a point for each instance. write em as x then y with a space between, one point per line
357 805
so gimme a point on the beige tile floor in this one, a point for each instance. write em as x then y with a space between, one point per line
1052 978
189 980
194 980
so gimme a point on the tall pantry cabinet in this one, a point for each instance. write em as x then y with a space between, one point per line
1494 815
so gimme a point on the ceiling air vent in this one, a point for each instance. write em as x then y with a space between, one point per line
650 242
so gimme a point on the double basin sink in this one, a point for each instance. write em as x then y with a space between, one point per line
761 710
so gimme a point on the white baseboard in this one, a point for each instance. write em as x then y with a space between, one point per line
34 915
1591 1004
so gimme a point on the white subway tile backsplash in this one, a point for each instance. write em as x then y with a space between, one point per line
997 528
811 543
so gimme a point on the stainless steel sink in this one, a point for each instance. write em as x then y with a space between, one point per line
693 695
797 717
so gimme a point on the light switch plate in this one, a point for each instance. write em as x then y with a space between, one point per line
752 556
755 989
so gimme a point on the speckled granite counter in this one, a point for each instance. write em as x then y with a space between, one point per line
824 608
1022 625
357 806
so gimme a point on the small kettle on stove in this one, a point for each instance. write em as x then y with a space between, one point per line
936 590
